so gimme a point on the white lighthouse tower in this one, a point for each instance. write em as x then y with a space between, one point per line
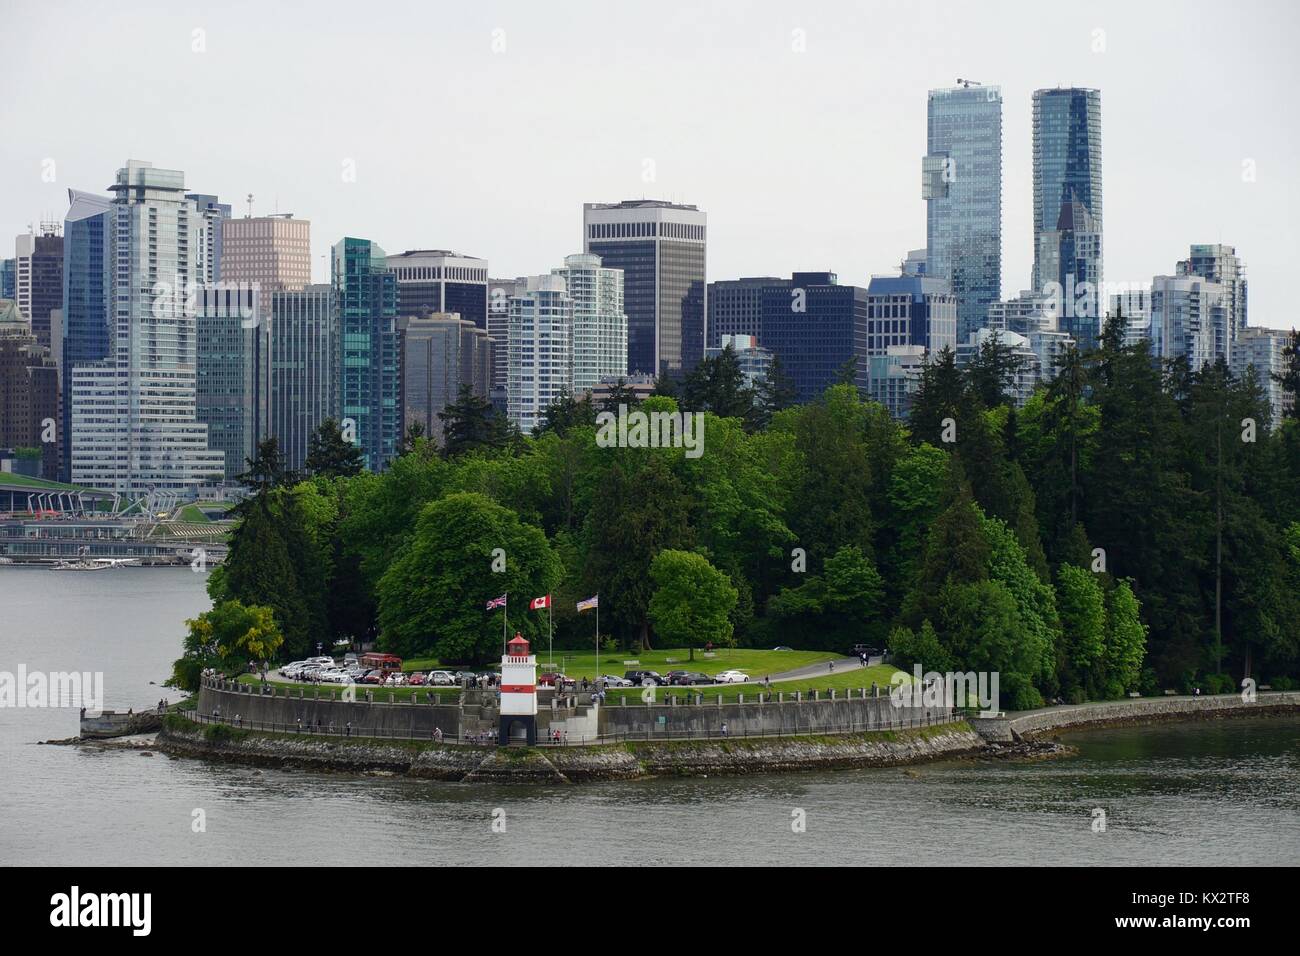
518 690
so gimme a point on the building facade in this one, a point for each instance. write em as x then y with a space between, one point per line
1262 349
233 380
435 280
214 213
1220 264
755 361
440 353
541 350
1189 320
134 428
29 393
38 278
305 367
365 295
500 291
599 322
962 189
273 252
736 306
661 249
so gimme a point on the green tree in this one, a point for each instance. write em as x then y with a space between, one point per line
227 638
330 455
471 423
1081 603
1126 640
692 601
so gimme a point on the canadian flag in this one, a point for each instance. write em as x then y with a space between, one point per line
536 604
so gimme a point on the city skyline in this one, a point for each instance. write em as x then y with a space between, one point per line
807 80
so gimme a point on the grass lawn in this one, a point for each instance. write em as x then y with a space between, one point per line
755 663
446 695
846 677
194 515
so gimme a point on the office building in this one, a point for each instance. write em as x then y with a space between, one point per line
440 353
435 280
38 278
86 326
736 306
9 280
233 379
962 189
661 248
365 296
500 292
273 252
305 367
214 213
754 360
29 394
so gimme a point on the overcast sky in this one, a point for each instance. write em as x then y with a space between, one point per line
483 127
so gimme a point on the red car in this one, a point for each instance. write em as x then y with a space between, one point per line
556 680
415 680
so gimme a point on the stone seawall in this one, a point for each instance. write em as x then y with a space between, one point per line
567 764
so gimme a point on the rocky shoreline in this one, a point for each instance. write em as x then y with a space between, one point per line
625 761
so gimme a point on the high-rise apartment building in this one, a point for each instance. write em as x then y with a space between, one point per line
274 252
1262 349
233 379
440 353
1068 205
541 349
1222 265
753 360
214 212
435 280
660 246
9 280
38 280
599 322
133 427
500 291
365 296
1189 319
305 367
962 187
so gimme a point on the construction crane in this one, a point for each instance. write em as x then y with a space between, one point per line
967 84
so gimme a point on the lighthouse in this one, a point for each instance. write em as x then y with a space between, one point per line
518 691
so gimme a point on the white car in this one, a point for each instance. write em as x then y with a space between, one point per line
441 678
613 681
335 676
732 677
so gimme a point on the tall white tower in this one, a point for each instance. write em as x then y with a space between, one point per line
518 691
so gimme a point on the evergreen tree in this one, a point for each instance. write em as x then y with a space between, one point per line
330 455
470 424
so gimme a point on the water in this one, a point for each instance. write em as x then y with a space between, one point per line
1223 793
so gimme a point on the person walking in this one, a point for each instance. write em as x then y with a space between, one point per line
725 732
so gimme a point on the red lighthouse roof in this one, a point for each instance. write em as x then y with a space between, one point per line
518 647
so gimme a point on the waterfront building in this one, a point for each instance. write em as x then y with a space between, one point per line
86 326
273 252
38 278
518 691
133 423
962 189
305 369
661 248
440 353
233 380
365 296
541 349
435 280
599 322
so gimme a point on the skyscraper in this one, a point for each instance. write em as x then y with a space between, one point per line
962 187
214 213
1262 349
541 349
500 292
440 353
1067 203
87 286
133 415
365 295
9 279
38 284
599 322
272 251
435 280
1189 319
1221 264
736 306
233 380
305 369
660 246
29 391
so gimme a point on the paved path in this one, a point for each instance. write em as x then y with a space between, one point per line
822 669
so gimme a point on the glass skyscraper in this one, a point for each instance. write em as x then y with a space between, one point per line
305 360
86 284
1067 205
962 187
365 295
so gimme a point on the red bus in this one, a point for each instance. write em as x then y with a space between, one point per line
381 662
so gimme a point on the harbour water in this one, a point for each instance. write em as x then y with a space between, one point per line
1222 793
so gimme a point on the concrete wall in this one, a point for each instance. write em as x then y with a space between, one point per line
1146 709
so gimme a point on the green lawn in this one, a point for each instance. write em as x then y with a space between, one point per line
846 677
755 663
194 515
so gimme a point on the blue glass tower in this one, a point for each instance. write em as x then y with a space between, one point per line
365 294
87 333
962 187
1067 170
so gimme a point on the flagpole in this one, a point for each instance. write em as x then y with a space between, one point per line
597 635
505 613
550 641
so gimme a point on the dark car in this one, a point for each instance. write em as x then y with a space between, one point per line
644 678
688 678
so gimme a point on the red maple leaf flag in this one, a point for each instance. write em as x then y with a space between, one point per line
536 604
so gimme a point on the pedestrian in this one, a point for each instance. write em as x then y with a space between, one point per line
347 731
724 729
300 724
832 665
237 720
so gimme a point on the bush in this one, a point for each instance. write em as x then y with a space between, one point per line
1282 683
1218 684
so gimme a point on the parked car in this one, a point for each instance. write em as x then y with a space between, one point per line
549 679
441 678
350 659
732 677
783 648
465 676
416 680
373 677
613 681
644 678
688 678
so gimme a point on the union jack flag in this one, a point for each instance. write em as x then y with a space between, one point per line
496 602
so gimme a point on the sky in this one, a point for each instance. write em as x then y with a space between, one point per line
798 127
